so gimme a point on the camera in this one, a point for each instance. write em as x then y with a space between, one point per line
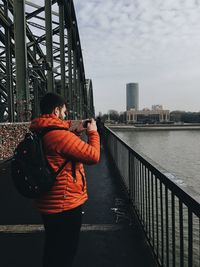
85 123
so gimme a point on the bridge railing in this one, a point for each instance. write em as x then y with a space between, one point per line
170 217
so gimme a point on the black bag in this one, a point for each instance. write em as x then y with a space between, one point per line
30 170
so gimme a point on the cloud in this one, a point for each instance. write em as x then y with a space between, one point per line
151 42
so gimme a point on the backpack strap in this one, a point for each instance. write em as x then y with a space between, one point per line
42 134
45 130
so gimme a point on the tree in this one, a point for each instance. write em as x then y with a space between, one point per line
113 115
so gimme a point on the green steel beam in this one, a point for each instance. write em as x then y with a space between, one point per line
75 83
38 10
70 70
68 55
35 84
9 77
49 45
78 94
22 91
62 50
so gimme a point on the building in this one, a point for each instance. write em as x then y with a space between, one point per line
157 107
148 116
132 96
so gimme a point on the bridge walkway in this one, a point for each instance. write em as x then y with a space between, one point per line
107 238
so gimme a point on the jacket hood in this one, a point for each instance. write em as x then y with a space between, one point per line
48 120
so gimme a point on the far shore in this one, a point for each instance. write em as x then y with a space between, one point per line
153 127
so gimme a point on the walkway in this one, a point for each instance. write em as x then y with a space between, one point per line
103 243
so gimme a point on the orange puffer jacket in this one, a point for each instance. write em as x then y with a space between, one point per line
60 145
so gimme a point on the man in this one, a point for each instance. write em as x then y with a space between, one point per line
61 206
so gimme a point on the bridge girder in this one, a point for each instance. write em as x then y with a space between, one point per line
40 51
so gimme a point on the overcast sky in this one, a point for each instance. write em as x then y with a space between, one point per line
155 43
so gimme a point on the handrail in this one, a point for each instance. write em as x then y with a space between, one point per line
170 217
184 196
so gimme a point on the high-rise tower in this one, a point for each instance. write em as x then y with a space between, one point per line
132 96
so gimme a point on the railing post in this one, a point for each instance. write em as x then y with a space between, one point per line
167 226
162 224
173 233
130 177
181 234
190 239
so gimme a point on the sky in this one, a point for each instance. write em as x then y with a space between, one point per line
154 43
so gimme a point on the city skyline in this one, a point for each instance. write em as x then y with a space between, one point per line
153 43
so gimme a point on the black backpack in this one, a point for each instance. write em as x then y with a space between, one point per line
30 170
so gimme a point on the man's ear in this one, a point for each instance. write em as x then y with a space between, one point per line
56 111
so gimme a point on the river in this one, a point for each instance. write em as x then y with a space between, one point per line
178 152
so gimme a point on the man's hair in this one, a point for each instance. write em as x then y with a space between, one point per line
50 101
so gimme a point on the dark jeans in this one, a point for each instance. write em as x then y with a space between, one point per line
61 237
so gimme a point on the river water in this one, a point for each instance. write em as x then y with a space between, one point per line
177 151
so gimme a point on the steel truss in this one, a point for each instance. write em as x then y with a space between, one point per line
40 52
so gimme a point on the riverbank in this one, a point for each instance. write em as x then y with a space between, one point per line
153 127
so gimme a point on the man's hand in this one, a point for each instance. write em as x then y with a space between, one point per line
91 126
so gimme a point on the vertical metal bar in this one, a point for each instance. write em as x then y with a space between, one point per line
190 239
146 209
141 192
36 110
162 225
139 200
167 226
152 205
140 188
199 241
36 98
62 49
49 45
129 176
134 189
149 206
115 150
181 233
136 184
78 94
22 90
157 218
173 232
75 81
138 174
132 176
70 70
81 97
86 103
9 78
83 101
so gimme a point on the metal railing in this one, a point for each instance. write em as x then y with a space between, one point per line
169 216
